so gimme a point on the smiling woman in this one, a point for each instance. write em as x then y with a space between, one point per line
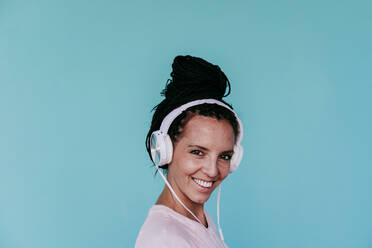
201 161
195 139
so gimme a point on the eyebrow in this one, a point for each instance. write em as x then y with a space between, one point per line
206 149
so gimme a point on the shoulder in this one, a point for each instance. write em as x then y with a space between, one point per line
161 230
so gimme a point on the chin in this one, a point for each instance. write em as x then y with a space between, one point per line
200 200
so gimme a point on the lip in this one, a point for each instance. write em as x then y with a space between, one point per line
201 188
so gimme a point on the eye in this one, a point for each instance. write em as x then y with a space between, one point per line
197 152
226 157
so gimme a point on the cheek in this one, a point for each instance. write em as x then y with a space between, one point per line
224 172
192 166
187 165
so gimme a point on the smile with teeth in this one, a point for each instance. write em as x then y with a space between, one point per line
203 183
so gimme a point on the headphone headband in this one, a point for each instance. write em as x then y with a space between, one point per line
167 121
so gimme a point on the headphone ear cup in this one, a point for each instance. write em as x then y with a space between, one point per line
158 148
161 148
155 146
236 158
168 149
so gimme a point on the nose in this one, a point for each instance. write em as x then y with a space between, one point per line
210 167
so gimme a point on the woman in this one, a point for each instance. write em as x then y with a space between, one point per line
195 139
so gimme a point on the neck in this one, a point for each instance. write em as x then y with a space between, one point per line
166 198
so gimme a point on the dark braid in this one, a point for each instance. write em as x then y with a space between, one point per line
195 78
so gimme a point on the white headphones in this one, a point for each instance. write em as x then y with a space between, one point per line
161 144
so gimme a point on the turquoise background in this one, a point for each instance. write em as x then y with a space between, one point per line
78 80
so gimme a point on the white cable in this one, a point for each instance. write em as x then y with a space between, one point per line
175 195
218 212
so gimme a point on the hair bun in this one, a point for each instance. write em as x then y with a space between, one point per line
195 78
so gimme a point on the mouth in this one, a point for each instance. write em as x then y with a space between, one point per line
203 184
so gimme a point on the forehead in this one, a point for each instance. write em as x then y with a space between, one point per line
208 132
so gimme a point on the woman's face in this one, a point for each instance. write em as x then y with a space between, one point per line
201 158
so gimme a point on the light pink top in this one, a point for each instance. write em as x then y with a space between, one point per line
165 228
